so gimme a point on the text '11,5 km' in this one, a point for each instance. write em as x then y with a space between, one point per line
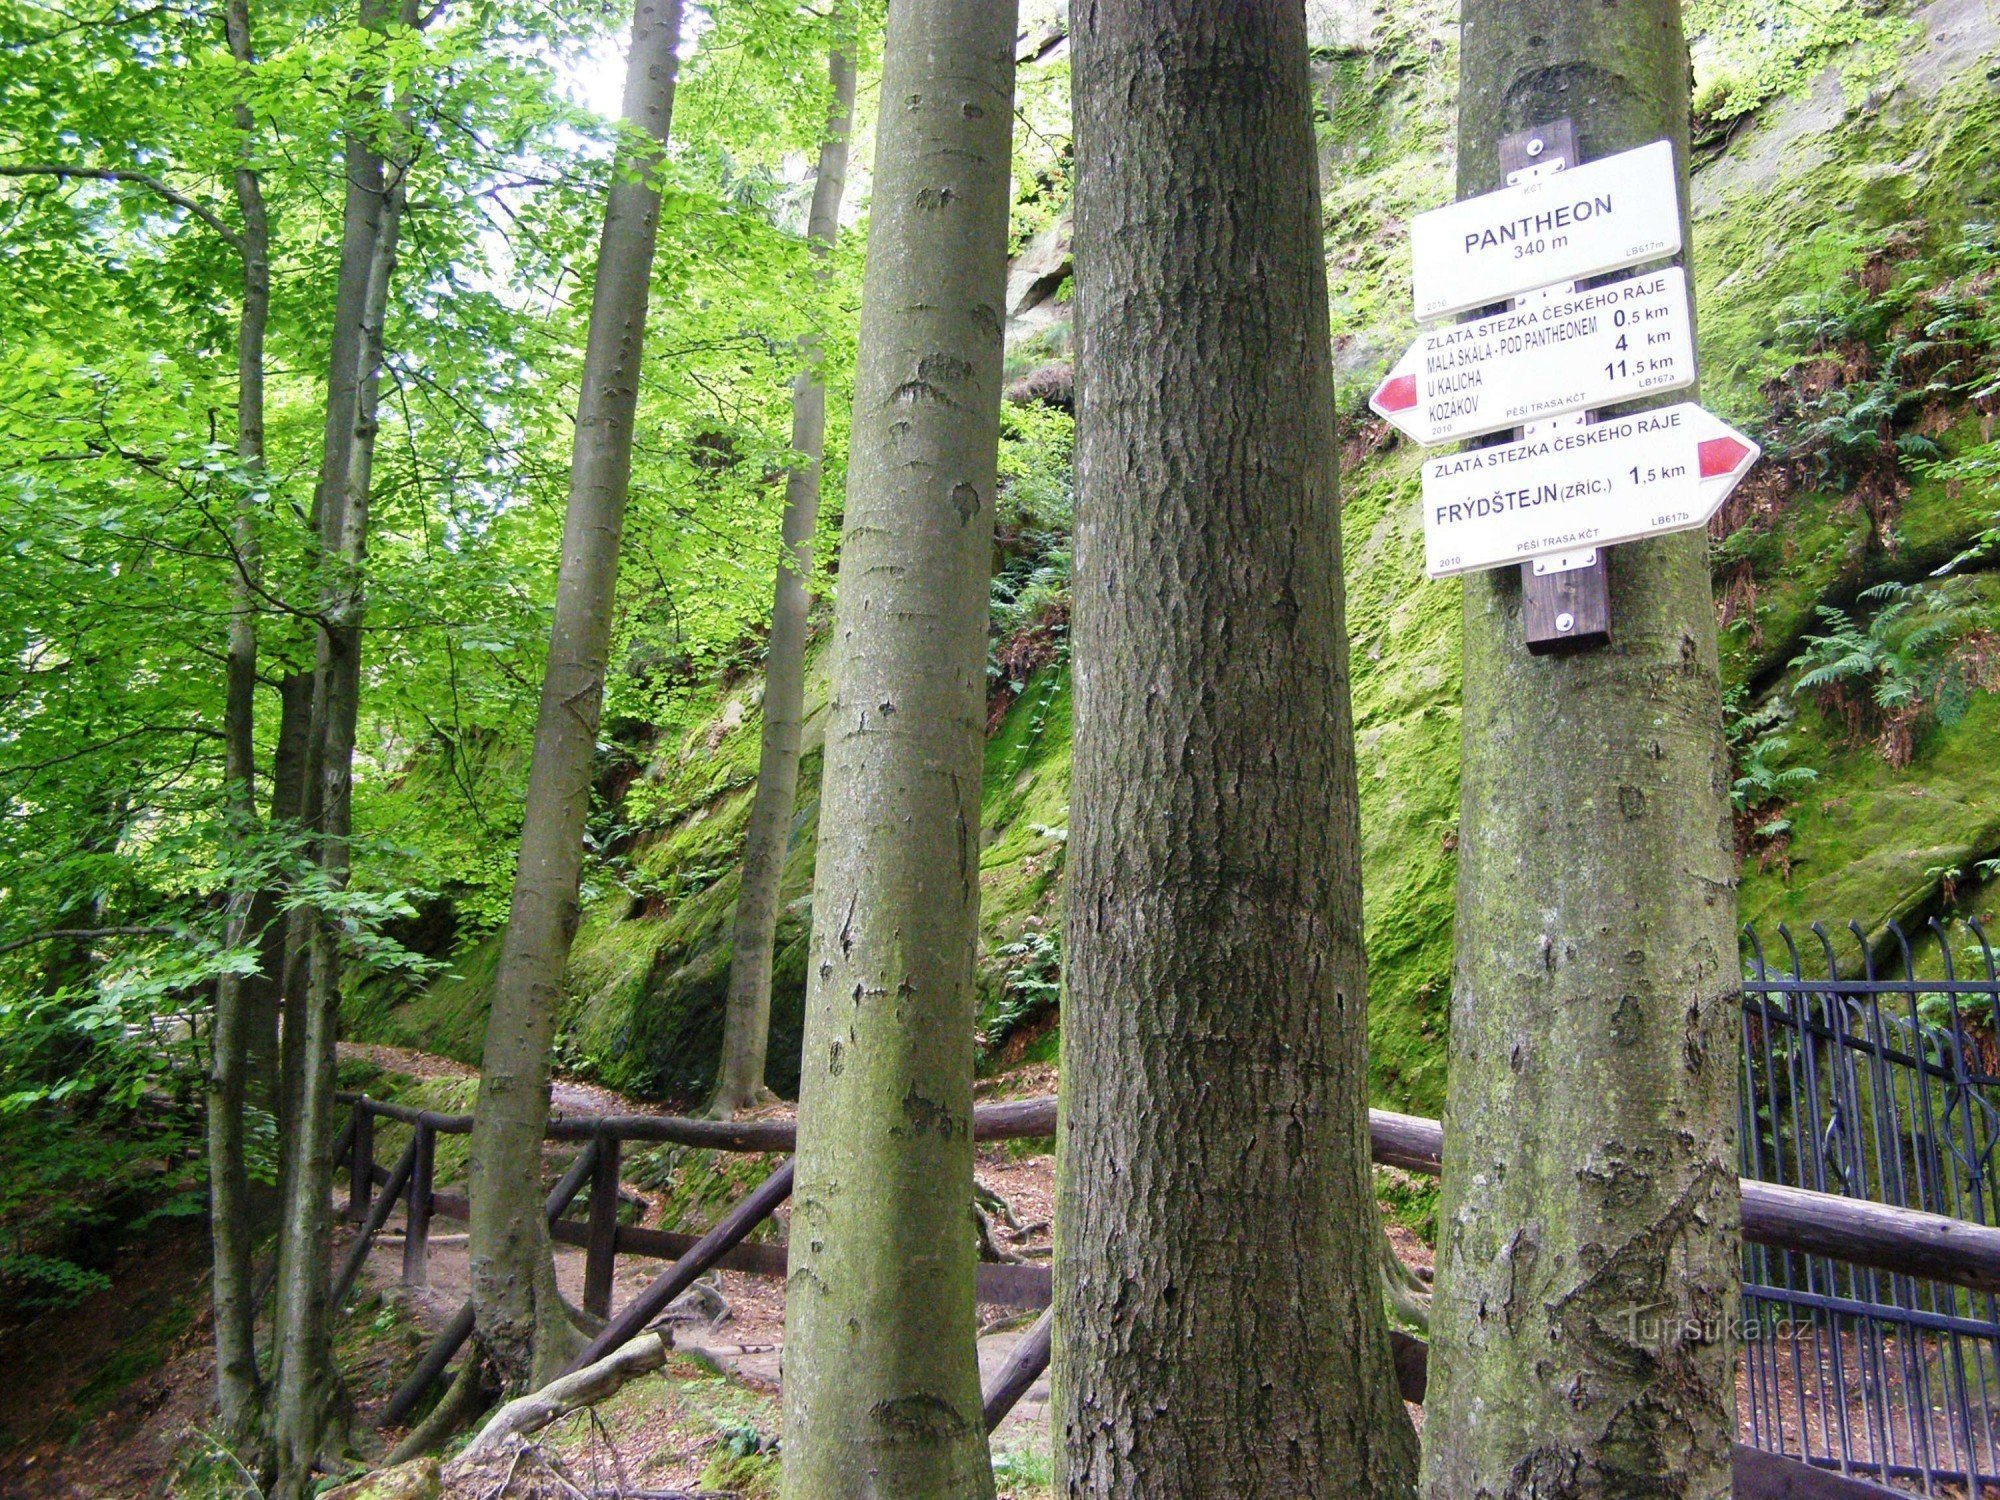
1561 488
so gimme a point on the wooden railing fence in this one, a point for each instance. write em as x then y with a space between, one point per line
1871 1234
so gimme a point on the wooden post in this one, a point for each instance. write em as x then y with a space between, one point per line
677 1278
417 1216
600 1254
447 1343
361 1161
378 1214
1565 609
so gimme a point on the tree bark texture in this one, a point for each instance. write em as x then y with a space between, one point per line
240 1000
1218 1313
307 1382
521 1322
881 1382
746 1027
1590 1151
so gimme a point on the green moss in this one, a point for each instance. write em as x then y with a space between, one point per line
697 1186
446 1016
1409 1201
1870 842
1405 653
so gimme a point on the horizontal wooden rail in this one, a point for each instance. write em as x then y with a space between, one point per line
1014 1119
1905 1240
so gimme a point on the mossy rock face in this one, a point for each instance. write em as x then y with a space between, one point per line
447 1015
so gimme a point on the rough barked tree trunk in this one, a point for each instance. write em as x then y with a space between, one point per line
881 1382
746 1028
522 1325
1218 1303
307 1383
1590 1195
238 997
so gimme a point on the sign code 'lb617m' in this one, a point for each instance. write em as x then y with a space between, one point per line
1605 215
1554 354
1573 488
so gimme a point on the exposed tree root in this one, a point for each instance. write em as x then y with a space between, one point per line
466 1398
586 1387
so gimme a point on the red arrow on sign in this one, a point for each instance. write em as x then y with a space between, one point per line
1398 393
1719 456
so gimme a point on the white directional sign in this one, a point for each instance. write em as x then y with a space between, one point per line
1568 489
1551 355
1602 216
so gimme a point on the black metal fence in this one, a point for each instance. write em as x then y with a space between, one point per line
1862 1079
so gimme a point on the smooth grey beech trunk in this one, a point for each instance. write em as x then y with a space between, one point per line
241 1001
522 1325
746 1030
1219 1316
881 1381
361 213
1590 1151
307 1385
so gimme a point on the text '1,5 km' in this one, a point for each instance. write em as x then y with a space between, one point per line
1563 488
1572 488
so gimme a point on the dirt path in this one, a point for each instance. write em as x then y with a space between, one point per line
567 1096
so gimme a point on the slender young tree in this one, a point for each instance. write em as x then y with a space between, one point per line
746 1030
522 1324
1220 1320
881 1380
239 997
307 1384
1590 1191
361 213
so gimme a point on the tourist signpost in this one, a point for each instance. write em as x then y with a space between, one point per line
1553 226
1566 485
1547 357
1577 487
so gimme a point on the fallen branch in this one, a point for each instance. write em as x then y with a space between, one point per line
560 1397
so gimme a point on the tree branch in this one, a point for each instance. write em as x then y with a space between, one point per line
86 932
179 199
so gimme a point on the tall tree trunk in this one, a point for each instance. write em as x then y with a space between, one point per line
307 1384
881 1383
1590 1161
746 1029
1217 1275
361 216
286 937
239 1386
522 1325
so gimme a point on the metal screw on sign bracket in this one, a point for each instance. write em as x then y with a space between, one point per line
1565 621
1536 147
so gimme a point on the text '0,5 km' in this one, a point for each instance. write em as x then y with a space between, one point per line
1606 215
1574 488
1555 353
